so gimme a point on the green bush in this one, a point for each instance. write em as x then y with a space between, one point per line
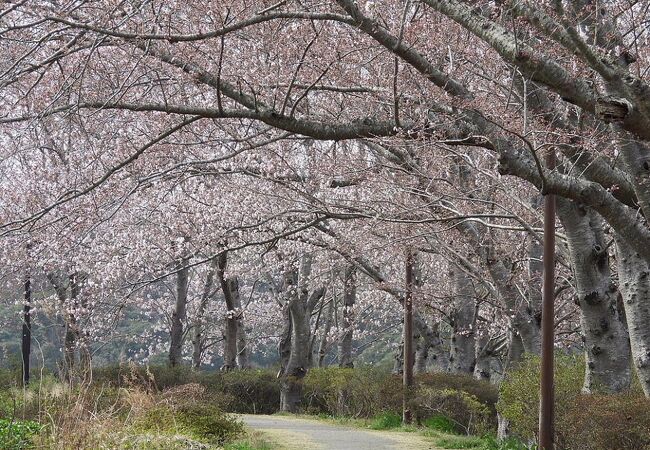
351 392
204 422
386 421
463 410
519 400
582 422
208 423
240 391
250 391
16 434
440 423
487 393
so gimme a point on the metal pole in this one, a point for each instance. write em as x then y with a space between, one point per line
546 398
26 346
407 415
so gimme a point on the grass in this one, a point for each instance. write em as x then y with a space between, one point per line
254 440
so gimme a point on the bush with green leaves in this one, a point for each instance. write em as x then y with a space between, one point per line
362 392
386 421
208 424
203 422
582 421
467 414
519 400
17 434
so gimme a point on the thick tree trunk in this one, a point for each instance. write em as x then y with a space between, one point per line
230 288
179 315
349 299
299 304
198 340
429 346
485 358
607 347
284 346
634 277
463 323
438 352
298 364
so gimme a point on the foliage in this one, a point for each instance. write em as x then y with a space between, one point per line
208 423
583 421
519 401
614 422
359 392
16 434
463 410
440 423
386 421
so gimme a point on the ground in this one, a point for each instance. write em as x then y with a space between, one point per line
290 433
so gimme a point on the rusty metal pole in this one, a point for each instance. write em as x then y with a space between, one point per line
407 415
547 388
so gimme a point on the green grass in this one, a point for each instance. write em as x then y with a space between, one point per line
440 423
386 421
254 440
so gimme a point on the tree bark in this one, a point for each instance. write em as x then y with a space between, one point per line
179 315
463 323
230 288
349 299
634 276
242 345
607 347
299 304
322 346
198 340
26 344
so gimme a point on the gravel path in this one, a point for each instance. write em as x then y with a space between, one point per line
290 433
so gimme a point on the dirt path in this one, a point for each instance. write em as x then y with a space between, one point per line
290 433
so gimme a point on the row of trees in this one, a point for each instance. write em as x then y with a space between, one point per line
287 155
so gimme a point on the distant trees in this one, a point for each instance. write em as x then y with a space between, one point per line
297 132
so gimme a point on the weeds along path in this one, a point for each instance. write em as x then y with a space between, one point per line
290 433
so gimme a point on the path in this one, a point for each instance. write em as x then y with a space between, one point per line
290 433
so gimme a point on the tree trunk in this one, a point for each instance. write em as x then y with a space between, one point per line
607 347
349 299
230 288
322 346
179 315
26 345
299 304
463 323
198 340
438 353
633 274
242 346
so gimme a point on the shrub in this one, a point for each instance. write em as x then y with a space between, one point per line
487 393
351 392
464 411
250 391
583 422
208 423
16 434
386 421
519 400
440 423
614 422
